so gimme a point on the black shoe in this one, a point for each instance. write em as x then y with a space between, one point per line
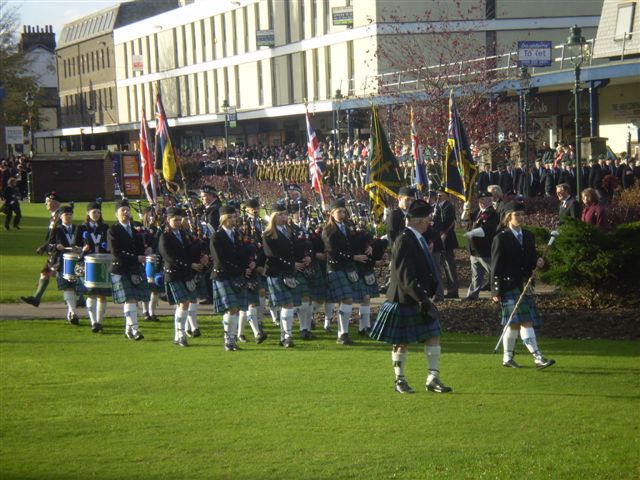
261 337
196 333
510 364
242 339
96 328
181 342
437 386
365 332
542 362
189 333
73 319
402 386
452 295
288 342
30 301
344 339
304 335
148 318
155 318
137 336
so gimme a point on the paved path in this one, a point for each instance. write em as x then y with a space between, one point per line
22 311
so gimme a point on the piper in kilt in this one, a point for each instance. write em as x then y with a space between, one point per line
513 259
91 236
179 283
229 275
63 238
342 276
128 278
151 233
408 316
280 269
199 252
303 253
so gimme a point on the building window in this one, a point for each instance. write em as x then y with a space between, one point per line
624 21
110 99
108 59
64 63
93 61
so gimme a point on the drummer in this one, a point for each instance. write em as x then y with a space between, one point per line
127 274
151 235
63 240
91 236
178 271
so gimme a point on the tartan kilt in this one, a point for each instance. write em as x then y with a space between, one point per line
64 284
527 310
225 297
402 324
98 292
124 290
362 290
318 287
339 287
279 293
177 292
302 290
202 289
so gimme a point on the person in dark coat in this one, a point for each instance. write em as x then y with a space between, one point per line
396 217
484 225
569 207
408 315
444 220
128 278
211 204
513 260
595 175
12 197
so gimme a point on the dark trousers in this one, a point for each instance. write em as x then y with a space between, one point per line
10 210
450 271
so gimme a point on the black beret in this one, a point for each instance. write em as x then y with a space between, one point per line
337 203
407 191
484 194
122 203
513 206
419 209
227 210
175 212
53 196
253 203
94 206
279 207
66 209
209 190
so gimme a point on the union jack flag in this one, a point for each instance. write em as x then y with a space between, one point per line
315 158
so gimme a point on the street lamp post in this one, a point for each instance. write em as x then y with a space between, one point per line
92 116
525 84
29 100
337 155
577 47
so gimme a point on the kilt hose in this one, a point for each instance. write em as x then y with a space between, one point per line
124 289
403 324
527 310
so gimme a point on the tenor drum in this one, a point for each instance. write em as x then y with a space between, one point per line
97 267
69 262
151 267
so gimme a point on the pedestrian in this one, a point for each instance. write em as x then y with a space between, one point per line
11 196
513 260
569 208
593 212
408 315
444 220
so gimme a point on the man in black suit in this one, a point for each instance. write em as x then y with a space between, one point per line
484 224
513 260
595 175
568 205
408 316
484 178
211 204
396 217
444 220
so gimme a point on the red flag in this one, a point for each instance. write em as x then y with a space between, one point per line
146 161
315 158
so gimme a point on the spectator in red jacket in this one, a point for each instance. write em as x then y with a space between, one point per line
593 213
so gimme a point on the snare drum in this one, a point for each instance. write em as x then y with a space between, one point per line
151 267
69 262
97 267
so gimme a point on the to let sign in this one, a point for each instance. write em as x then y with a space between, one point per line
534 54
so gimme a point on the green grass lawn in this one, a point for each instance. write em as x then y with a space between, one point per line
19 265
80 405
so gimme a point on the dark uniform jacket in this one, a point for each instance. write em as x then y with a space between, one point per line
96 237
511 264
444 220
395 224
211 215
489 220
125 249
176 256
280 255
59 235
227 256
569 208
412 280
338 248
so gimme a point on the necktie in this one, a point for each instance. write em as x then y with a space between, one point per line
342 229
519 237
231 237
425 248
178 236
284 232
128 229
